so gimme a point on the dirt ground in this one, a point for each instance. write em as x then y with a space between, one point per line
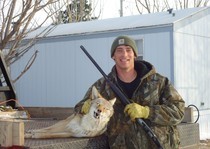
204 144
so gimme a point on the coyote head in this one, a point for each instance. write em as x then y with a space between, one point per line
101 108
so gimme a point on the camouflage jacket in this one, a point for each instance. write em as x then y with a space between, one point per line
166 111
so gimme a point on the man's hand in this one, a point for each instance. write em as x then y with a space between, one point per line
86 106
135 110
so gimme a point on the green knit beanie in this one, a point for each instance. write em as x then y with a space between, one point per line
124 40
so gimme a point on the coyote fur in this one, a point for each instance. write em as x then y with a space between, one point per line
79 125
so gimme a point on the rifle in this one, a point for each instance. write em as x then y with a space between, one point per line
124 100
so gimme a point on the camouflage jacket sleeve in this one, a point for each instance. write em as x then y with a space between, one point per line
170 110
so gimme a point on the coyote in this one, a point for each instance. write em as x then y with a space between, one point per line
78 125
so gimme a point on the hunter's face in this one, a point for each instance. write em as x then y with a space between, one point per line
124 57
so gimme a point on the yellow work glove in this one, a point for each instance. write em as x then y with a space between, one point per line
135 110
86 106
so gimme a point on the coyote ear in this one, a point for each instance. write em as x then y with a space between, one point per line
95 93
112 101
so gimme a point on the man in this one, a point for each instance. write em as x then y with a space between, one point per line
152 98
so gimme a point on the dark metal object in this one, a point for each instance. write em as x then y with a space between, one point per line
8 91
124 101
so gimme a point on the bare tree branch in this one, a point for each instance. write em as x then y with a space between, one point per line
137 6
18 19
28 66
151 6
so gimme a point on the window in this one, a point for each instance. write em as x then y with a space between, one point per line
139 43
